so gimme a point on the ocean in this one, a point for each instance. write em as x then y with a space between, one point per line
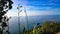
32 20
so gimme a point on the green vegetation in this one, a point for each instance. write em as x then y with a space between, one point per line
48 27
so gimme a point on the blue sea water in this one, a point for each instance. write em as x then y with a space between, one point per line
32 20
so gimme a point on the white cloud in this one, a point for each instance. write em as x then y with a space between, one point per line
33 13
33 10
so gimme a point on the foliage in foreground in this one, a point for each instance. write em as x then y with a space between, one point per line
48 27
5 5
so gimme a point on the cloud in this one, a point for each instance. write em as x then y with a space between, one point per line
36 7
45 2
35 12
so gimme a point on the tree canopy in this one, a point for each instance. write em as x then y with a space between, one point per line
5 5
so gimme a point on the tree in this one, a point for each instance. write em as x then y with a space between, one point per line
5 5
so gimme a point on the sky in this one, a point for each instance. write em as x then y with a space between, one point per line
35 7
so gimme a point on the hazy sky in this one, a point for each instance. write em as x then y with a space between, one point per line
36 7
